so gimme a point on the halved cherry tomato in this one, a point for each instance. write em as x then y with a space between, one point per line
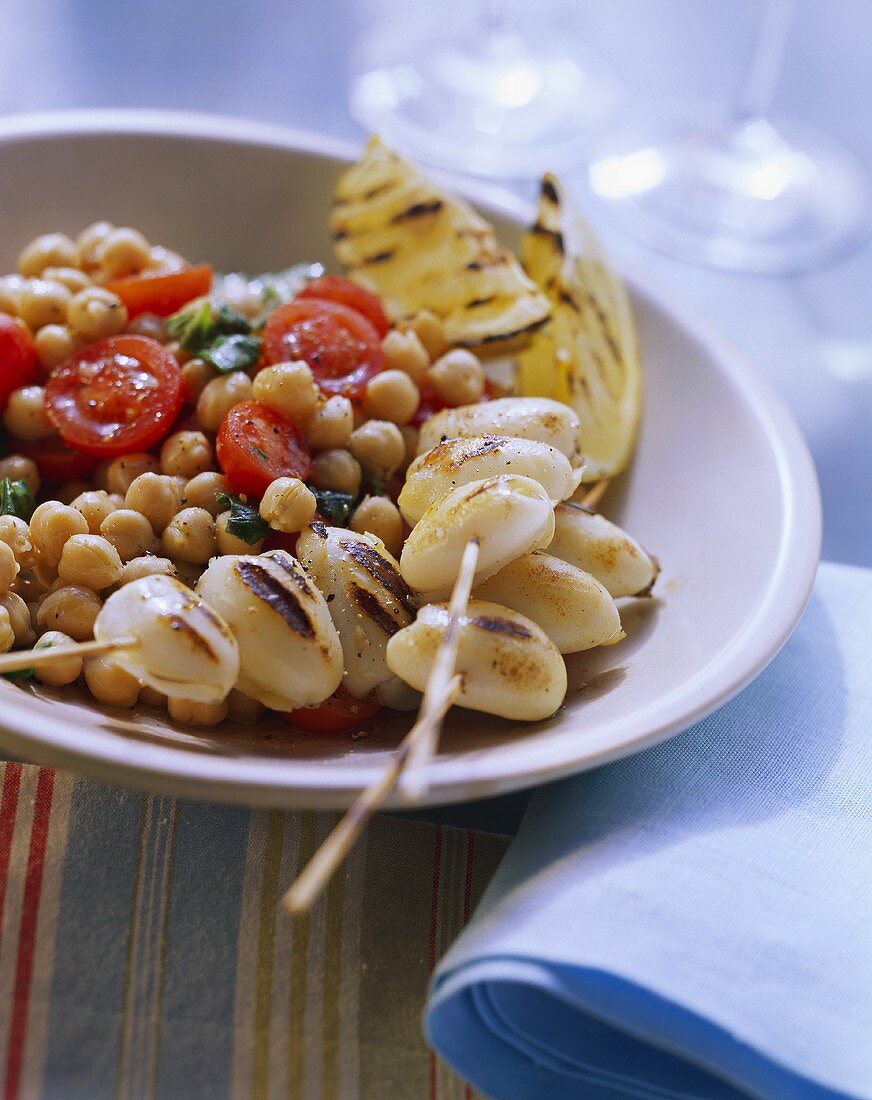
115 396
255 445
162 294
333 288
341 713
340 345
18 366
54 459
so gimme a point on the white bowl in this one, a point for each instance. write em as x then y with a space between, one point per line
722 488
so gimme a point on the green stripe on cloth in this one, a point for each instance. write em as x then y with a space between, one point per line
150 959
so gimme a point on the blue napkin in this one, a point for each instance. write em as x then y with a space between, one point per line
695 921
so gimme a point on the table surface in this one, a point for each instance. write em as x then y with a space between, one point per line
287 61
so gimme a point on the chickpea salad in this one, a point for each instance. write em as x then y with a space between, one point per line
288 468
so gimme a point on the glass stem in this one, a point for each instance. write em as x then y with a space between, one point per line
760 86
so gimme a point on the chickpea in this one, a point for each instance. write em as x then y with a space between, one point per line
147 566
27 587
380 517
190 713
157 496
431 332
73 279
130 533
289 388
111 684
242 709
70 608
49 250
88 244
232 544
10 285
7 634
391 395
58 673
51 525
96 312
95 505
25 414
379 447
91 561
123 251
9 567
202 492
180 354
410 438
185 454
53 344
151 697
288 505
45 574
404 351
190 536
15 533
457 377
122 473
148 324
70 490
189 572
19 618
196 376
331 424
42 302
19 468
164 259
220 395
338 470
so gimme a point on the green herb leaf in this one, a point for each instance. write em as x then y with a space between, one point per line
16 499
229 353
333 505
20 674
199 324
245 522
374 486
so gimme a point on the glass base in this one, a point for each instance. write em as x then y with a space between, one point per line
746 196
496 105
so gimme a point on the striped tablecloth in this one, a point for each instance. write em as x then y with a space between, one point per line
143 954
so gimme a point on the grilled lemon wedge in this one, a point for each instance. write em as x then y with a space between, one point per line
419 248
587 354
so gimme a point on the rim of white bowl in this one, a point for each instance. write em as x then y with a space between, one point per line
290 783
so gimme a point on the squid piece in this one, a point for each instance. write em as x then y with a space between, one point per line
289 650
368 602
572 607
537 418
592 543
509 515
184 648
455 462
510 667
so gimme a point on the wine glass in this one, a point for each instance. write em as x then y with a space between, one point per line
745 192
492 87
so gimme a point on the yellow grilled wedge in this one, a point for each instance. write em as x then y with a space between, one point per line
419 248
587 354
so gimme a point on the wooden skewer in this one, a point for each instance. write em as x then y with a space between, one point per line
413 782
443 686
595 494
49 654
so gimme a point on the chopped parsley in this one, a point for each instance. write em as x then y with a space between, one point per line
245 522
230 353
334 506
200 324
16 499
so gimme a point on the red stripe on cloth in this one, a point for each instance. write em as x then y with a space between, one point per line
8 810
434 916
27 932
